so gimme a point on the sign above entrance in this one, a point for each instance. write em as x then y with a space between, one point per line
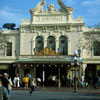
50 18
47 51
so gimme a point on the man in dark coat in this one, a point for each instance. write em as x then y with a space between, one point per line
3 91
5 81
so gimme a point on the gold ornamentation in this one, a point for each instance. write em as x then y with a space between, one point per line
47 52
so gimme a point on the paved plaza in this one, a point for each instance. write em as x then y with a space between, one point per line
37 95
51 95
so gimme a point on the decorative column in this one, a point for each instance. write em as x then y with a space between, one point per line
21 71
59 81
45 43
33 71
57 45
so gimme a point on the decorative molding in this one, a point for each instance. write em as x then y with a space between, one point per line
38 8
64 7
68 28
33 29
51 8
56 28
44 28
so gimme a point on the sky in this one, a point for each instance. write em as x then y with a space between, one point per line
12 11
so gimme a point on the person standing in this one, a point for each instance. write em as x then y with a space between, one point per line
29 75
26 81
15 82
9 87
18 81
5 81
23 81
82 80
3 91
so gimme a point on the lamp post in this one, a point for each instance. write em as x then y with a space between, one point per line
77 61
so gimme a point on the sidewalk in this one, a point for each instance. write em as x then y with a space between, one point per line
65 89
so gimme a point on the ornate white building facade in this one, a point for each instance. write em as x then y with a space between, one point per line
46 43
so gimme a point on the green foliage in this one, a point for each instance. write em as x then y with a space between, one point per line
91 36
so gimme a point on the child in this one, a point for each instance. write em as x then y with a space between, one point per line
3 91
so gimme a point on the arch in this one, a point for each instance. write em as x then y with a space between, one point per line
68 38
63 45
39 43
35 36
51 42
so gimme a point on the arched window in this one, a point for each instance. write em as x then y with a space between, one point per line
51 42
39 44
63 45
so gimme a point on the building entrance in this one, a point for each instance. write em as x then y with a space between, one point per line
50 74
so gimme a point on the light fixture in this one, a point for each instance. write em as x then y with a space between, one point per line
68 65
25 65
37 65
61 65
19 65
43 65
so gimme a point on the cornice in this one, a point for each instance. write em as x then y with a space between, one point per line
11 32
59 24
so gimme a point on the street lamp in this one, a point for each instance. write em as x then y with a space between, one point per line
77 61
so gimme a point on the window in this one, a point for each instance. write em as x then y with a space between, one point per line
39 44
97 48
63 45
51 43
9 49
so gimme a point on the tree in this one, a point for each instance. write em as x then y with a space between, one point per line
91 36
3 43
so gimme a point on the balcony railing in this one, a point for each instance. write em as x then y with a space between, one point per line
42 57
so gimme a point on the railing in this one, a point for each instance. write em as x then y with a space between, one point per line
42 57
34 57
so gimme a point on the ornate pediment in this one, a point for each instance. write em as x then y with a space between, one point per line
51 8
52 15
46 52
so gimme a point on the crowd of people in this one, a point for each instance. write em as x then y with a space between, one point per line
27 82
6 84
84 81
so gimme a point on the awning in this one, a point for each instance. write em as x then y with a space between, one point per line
44 60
